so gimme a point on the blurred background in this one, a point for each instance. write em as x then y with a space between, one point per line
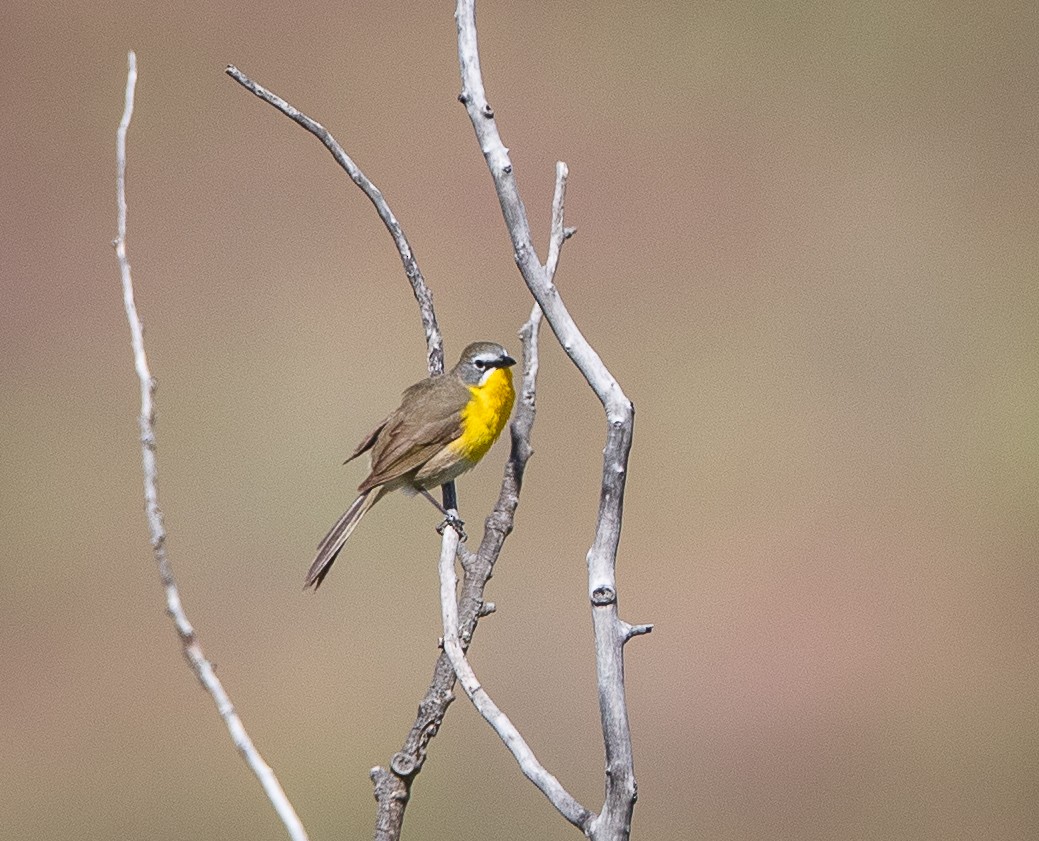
807 249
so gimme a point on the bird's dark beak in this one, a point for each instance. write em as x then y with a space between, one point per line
506 362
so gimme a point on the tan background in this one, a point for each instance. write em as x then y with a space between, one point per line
807 248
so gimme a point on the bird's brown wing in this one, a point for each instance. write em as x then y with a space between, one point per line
427 421
368 442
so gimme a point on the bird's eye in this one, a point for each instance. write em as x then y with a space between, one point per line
479 363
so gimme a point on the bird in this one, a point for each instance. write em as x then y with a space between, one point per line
442 428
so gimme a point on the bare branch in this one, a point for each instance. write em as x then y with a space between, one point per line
455 643
534 770
434 341
558 233
614 821
567 805
192 648
534 274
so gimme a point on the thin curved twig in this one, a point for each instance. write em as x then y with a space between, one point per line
202 668
613 823
506 730
434 341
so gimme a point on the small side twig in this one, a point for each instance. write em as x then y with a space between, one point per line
202 668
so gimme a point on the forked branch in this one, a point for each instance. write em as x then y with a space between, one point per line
613 823
567 805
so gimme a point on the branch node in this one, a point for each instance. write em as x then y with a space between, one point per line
603 596
487 609
487 111
466 558
402 764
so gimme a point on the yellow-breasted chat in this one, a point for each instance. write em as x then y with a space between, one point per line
443 427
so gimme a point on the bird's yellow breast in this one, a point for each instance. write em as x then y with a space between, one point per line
485 415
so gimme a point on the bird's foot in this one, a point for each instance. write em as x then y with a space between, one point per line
454 521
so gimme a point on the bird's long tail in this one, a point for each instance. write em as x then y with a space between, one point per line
333 542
